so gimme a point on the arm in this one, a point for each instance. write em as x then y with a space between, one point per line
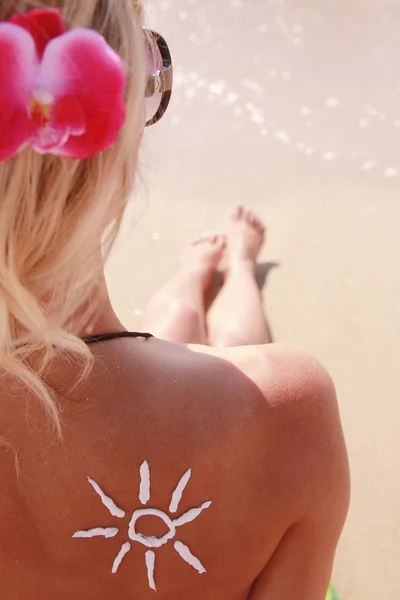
301 566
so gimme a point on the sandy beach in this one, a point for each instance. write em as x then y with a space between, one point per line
293 108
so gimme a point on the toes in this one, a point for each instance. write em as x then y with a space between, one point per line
238 212
213 238
221 240
259 227
242 213
218 239
196 241
206 236
210 237
251 218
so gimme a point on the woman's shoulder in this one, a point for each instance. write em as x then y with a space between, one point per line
287 377
273 383
293 411
275 393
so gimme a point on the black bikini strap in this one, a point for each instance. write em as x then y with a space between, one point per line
105 337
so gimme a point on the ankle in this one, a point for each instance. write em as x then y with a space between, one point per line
239 264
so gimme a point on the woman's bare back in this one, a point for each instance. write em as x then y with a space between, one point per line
254 437
202 474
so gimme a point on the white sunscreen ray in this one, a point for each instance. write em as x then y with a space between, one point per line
108 503
188 557
191 515
150 564
150 542
144 494
121 555
180 488
109 532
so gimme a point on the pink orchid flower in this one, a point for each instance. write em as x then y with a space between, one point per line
61 92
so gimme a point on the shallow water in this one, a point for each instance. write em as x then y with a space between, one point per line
294 108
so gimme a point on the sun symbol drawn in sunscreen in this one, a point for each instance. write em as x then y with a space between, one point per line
149 541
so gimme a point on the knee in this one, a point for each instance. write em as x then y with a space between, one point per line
185 313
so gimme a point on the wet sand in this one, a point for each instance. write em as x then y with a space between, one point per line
293 107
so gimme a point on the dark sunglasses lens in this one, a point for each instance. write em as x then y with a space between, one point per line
154 63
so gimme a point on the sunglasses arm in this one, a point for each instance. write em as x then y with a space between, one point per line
160 82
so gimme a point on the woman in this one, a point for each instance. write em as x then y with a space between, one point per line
134 465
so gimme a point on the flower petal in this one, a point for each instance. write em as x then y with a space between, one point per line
80 64
18 64
68 114
42 24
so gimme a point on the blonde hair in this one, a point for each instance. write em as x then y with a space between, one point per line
54 213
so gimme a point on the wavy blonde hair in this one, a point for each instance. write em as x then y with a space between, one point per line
54 213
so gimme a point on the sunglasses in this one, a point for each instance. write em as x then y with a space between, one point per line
159 85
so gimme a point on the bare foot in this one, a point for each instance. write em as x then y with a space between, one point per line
246 236
204 254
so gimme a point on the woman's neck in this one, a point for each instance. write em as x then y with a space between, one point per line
102 318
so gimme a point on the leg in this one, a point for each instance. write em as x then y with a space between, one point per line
177 313
237 317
